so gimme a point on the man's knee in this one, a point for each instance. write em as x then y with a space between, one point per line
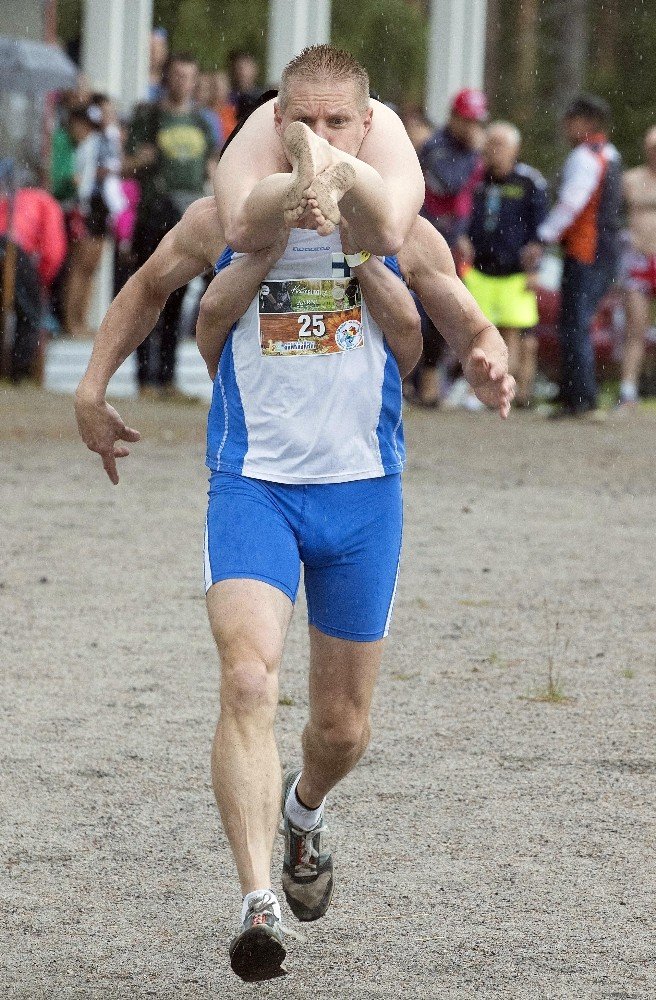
249 669
344 733
248 687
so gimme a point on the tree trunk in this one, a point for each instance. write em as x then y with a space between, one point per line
571 50
526 62
492 50
606 38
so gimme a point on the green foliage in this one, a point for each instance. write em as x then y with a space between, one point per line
390 38
69 19
211 28
621 67
628 82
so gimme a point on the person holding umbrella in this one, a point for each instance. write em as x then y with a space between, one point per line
29 67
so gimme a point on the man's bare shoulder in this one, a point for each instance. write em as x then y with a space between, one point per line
199 231
639 177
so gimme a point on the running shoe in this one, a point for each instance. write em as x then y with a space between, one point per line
307 872
258 951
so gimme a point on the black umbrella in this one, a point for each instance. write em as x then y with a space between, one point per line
31 67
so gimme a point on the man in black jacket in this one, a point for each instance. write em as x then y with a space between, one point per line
501 247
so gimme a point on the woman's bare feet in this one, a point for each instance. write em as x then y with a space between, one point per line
299 148
324 194
319 178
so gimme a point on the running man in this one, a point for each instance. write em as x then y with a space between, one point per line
639 267
305 448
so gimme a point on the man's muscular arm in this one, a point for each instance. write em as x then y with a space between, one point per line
428 267
186 251
228 297
394 310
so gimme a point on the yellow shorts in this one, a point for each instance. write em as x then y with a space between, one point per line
506 301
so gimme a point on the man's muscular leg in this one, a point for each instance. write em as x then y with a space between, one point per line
342 679
249 621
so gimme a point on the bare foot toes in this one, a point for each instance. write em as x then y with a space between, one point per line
293 214
306 154
328 188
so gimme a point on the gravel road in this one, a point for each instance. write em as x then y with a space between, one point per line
498 839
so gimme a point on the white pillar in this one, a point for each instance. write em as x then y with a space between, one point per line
115 54
102 44
294 24
137 26
115 48
456 52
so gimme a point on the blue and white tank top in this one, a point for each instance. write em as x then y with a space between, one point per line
307 389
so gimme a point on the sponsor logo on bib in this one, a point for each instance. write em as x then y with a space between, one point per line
348 335
310 317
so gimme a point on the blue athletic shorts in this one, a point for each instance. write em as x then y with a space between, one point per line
347 535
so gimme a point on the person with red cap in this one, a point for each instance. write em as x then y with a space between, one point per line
452 166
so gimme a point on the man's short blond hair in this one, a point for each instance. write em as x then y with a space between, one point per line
326 63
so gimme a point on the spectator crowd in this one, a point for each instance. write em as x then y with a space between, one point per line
131 179
124 179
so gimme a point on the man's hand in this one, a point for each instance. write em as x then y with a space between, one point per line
145 156
486 370
465 249
100 428
531 255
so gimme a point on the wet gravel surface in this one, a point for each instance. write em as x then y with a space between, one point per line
498 839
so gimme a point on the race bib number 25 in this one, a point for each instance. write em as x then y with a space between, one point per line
310 317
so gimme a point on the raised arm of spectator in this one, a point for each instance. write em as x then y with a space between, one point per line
532 251
427 265
185 252
539 204
140 150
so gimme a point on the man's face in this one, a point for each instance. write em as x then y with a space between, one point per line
469 133
331 109
577 128
245 72
181 81
159 52
499 152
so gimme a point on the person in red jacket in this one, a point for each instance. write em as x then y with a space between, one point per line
33 221
37 226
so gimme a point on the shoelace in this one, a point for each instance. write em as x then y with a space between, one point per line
265 902
309 851
262 903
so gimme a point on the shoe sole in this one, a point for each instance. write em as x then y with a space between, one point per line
257 954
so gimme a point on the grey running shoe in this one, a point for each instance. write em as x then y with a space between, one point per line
307 872
258 951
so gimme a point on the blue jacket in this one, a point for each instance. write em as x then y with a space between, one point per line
505 217
451 171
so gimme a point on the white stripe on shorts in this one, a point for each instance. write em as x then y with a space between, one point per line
391 607
208 568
